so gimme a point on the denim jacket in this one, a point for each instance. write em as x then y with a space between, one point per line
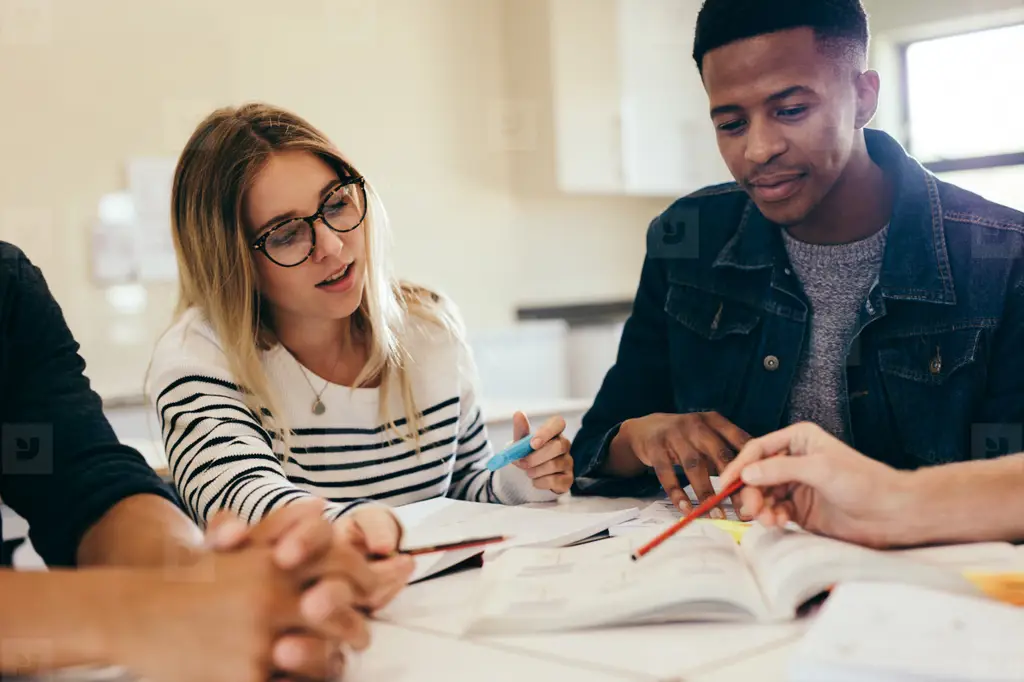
935 371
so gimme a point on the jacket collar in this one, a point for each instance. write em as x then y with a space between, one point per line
916 263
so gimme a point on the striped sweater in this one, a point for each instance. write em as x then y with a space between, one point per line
220 456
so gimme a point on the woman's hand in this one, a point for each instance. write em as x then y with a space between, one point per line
550 465
376 531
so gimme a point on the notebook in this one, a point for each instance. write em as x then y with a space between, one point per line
442 520
700 574
901 633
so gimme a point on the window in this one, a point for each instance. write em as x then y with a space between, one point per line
964 103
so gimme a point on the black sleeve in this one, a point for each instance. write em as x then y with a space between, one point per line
62 467
638 384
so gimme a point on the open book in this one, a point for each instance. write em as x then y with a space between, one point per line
699 574
441 520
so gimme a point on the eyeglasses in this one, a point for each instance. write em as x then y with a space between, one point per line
290 242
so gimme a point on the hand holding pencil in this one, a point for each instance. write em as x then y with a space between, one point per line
376 532
803 474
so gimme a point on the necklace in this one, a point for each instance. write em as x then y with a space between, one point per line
318 405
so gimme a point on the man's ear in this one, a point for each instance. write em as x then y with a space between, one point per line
867 85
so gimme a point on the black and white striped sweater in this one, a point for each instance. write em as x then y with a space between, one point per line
220 456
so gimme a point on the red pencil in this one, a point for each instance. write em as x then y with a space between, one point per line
447 547
701 510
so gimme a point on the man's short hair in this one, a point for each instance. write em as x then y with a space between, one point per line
841 26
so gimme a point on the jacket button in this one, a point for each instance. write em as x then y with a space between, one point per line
935 366
771 363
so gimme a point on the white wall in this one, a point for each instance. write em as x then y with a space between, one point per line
413 90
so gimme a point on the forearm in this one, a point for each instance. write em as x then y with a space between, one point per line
142 530
62 618
966 502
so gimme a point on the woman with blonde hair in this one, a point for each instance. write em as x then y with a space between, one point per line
297 364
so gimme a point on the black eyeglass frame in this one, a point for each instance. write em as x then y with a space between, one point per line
261 243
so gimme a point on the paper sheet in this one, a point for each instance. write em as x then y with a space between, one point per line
149 182
443 520
528 589
902 632
661 514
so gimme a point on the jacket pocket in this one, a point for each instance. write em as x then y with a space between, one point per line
933 380
931 359
708 315
711 341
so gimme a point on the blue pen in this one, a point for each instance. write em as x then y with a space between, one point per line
515 452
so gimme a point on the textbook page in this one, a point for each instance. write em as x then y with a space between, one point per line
658 516
792 566
699 574
441 520
892 632
662 513
727 506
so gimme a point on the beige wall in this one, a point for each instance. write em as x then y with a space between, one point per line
445 104
413 90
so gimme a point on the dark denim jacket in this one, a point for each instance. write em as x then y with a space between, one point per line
935 373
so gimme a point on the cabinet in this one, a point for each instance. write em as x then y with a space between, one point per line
631 114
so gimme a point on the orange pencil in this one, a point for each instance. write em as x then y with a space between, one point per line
701 510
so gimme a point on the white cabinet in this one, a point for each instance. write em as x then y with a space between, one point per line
631 114
587 108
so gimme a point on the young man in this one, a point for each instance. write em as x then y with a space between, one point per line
829 488
278 597
836 281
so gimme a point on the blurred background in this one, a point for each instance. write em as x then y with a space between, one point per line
521 148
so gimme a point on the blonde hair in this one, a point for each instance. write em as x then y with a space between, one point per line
218 276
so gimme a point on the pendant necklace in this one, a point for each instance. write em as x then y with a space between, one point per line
318 405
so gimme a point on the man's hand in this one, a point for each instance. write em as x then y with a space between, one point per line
701 443
823 485
341 581
227 617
